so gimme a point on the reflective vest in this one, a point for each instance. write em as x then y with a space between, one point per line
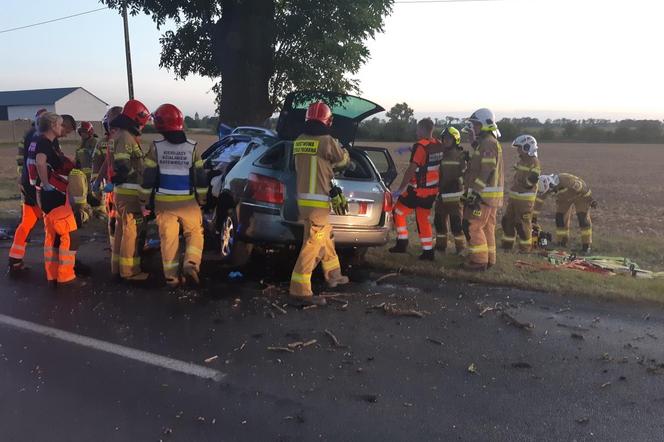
175 162
427 175
31 162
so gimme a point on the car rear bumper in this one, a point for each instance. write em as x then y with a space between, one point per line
264 225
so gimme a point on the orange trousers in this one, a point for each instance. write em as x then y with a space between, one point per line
482 231
401 211
60 244
30 216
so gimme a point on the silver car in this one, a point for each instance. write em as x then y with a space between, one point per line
258 203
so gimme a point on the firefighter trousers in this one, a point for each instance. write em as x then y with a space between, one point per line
169 221
129 226
563 220
29 217
317 246
481 224
60 245
518 221
448 219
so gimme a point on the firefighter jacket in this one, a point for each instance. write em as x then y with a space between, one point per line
427 155
485 170
524 184
77 189
451 172
101 152
174 174
570 189
84 156
315 157
126 160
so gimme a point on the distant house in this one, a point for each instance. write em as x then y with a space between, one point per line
76 101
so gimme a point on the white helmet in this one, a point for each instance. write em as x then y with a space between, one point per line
547 181
487 119
527 143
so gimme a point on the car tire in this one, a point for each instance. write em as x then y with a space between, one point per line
232 250
353 257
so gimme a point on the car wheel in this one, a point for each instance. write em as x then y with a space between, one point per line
231 249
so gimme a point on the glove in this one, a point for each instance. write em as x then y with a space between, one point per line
532 179
396 194
47 188
471 198
339 202
403 150
594 204
108 188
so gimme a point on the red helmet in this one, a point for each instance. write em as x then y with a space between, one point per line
137 112
319 111
86 127
168 118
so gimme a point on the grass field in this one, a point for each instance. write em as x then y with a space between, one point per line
625 179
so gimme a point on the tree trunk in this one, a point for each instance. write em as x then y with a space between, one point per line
243 45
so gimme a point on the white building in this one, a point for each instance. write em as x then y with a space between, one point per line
75 101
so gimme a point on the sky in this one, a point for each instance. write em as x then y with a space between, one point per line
540 58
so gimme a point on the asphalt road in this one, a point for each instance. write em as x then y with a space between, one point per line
585 370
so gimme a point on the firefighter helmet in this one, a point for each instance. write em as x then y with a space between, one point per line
321 112
86 127
452 132
527 144
547 181
168 118
137 112
486 118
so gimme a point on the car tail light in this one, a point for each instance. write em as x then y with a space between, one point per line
265 189
362 208
387 202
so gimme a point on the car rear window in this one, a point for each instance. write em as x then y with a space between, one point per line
274 158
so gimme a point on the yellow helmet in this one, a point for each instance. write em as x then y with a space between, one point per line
452 132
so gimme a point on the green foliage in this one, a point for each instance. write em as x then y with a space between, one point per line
400 112
313 44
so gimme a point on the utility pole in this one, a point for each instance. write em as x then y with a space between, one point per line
130 76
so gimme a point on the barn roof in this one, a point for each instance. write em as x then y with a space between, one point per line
36 96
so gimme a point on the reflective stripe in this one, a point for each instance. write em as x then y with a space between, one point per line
317 204
313 173
525 242
80 199
128 186
149 163
478 249
202 190
173 198
432 183
433 168
492 192
301 278
313 197
18 247
509 238
563 190
121 156
587 232
489 161
402 235
169 265
528 169
145 191
402 229
531 196
480 182
450 163
199 163
330 265
428 239
398 211
562 232
129 261
128 192
191 250
491 249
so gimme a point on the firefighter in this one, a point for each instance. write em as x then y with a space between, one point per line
517 219
316 155
126 164
418 190
53 168
484 190
86 149
570 192
449 210
174 179
102 174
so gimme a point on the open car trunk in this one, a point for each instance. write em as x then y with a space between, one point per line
348 112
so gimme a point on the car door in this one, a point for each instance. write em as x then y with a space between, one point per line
382 160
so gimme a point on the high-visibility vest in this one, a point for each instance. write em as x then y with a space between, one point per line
427 176
175 162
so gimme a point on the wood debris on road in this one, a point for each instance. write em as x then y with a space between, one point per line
335 340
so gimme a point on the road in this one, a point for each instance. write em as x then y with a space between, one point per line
533 366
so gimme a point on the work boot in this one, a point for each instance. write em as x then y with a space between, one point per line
192 276
474 267
74 284
138 277
17 268
173 283
82 269
307 300
427 255
339 280
400 247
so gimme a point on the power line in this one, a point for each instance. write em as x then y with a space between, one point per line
51 21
